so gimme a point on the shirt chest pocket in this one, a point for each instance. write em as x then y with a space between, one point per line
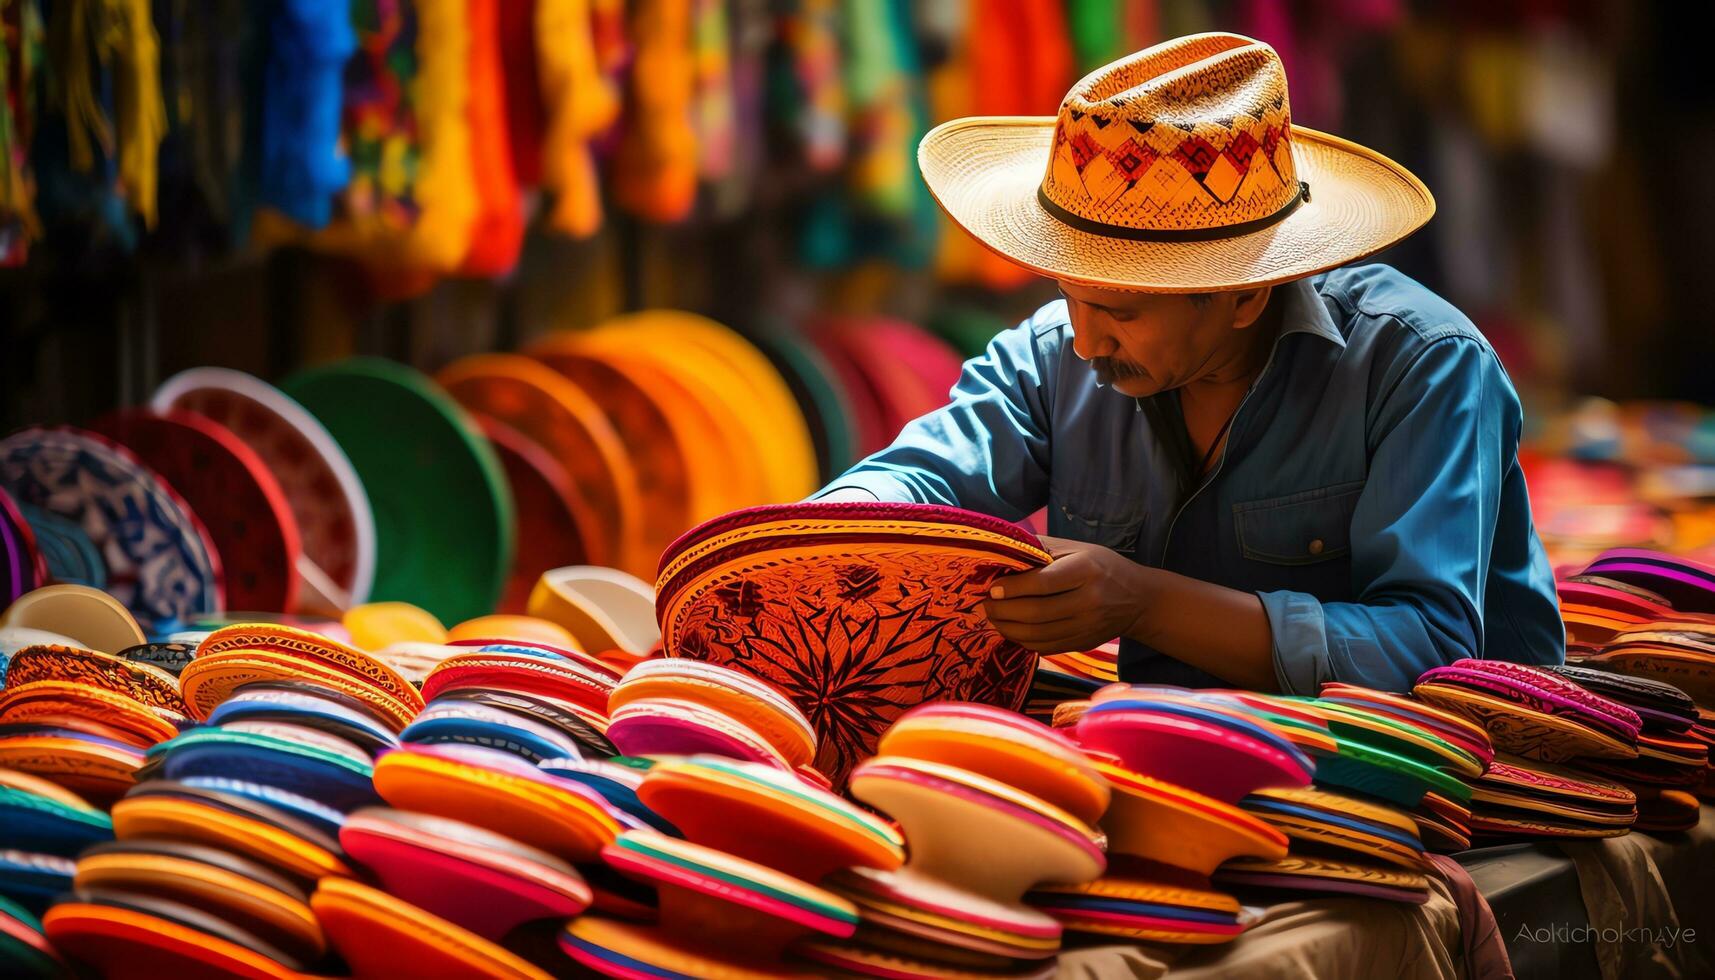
1298 529
1101 517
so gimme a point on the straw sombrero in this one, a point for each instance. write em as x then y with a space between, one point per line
1175 170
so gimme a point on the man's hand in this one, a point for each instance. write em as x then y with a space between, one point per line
1087 596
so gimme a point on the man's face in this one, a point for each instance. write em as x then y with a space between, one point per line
1140 344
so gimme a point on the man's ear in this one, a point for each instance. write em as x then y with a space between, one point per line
1248 305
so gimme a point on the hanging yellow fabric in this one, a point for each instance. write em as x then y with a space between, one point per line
137 92
444 178
581 103
86 38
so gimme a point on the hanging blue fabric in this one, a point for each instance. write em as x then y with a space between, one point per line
302 164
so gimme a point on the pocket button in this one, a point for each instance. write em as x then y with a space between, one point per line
1316 546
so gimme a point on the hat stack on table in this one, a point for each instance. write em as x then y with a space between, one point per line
741 887
1542 726
686 707
1358 831
533 700
1670 635
25 952
1671 763
856 611
1443 819
84 719
1178 763
991 804
76 718
475 843
1651 616
234 823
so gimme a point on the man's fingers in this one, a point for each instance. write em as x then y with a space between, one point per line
1032 609
1056 577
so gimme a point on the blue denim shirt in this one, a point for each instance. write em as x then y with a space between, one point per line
1370 492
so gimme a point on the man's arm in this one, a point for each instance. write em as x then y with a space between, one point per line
1442 439
1422 535
1090 594
986 450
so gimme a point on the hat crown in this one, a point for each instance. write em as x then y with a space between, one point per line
1190 136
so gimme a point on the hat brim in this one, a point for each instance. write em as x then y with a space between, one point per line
985 171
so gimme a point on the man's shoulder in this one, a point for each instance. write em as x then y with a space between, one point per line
1382 308
1051 323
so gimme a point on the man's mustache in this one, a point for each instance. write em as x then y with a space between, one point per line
1109 370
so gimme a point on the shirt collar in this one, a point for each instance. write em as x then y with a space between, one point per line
1303 311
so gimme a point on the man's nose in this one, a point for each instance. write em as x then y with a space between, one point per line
1090 342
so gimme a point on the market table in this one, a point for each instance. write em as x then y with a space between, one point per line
1634 906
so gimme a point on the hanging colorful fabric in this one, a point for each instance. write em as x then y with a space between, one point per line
713 108
580 103
655 166
498 234
95 152
444 179
381 130
811 34
526 117
20 62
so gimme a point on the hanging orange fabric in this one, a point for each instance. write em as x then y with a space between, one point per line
655 167
498 234
1021 64
580 103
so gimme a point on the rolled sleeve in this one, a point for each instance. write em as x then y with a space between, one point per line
1300 641
986 450
1422 531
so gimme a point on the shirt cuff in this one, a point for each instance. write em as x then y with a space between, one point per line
1301 662
881 486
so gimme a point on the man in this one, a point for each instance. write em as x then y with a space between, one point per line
1258 472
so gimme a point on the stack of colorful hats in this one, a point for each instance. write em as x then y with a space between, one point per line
25 952
856 611
1537 719
1399 763
84 719
687 707
742 886
1464 750
1177 762
77 716
530 699
1341 844
477 844
1369 848
1070 677
205 877
234 822
1680 652
1648 614
1381 778
43 826
991 805
1595 608
1671 764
